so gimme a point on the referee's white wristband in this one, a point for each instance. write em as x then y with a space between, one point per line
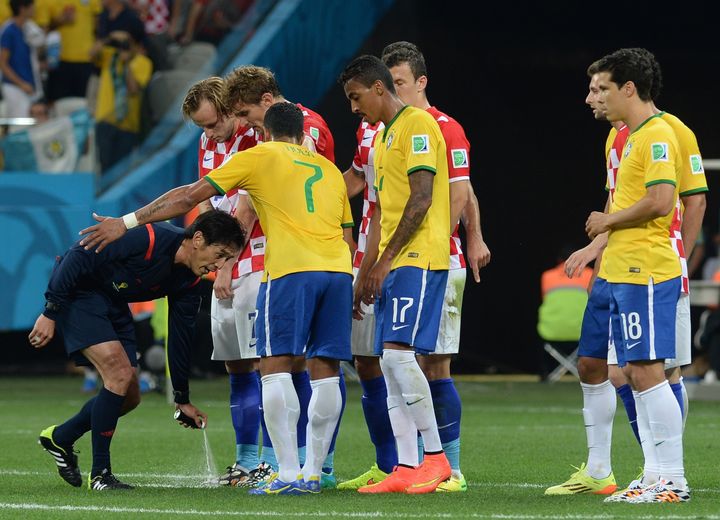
130 220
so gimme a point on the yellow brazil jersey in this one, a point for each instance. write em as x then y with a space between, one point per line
636 254
76 38
301 201
609 141
106 109
692 174
412 141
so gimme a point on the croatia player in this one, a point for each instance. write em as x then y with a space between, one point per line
251 91
236 284
409 72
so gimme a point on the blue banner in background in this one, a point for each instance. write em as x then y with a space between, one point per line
41 215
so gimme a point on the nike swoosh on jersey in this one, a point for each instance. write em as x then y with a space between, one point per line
400 327
209 160
633 345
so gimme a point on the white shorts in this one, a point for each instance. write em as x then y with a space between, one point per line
683 340
232 321
449 335
362 338
683 335
17 102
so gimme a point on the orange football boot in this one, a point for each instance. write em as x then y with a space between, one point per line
434 470
396 482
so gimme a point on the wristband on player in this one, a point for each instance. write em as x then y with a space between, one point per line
130 220
51 310
182 397
52 307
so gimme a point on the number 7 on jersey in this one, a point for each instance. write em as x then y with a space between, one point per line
316 176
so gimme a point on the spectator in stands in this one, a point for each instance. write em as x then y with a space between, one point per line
40 111
76 23
211 20
155 15
18 82
115 16
179 12
35 38
125 73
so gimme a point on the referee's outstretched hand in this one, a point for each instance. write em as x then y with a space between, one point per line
100 235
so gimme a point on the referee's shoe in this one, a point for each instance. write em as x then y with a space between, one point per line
105 481
65 458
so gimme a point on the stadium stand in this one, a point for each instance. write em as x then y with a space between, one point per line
194 55
42 219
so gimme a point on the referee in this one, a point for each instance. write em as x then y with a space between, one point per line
87 300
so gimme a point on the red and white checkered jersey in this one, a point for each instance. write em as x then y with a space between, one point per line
154 14
677 244
212 155
364 162
318 130
614 154
458 156
613 163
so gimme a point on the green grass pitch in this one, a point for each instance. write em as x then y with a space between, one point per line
518 438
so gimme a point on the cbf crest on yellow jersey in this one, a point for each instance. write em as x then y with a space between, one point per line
635 254
301 201
412 141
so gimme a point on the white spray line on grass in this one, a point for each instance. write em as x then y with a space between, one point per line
332 514
22 473
201 485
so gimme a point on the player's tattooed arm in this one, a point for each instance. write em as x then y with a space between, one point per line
418 204
174 203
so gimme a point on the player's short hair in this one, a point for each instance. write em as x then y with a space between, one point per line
401 52
211 89
248 83
630 65
218 228
366 70
657 81
284 120
593 68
